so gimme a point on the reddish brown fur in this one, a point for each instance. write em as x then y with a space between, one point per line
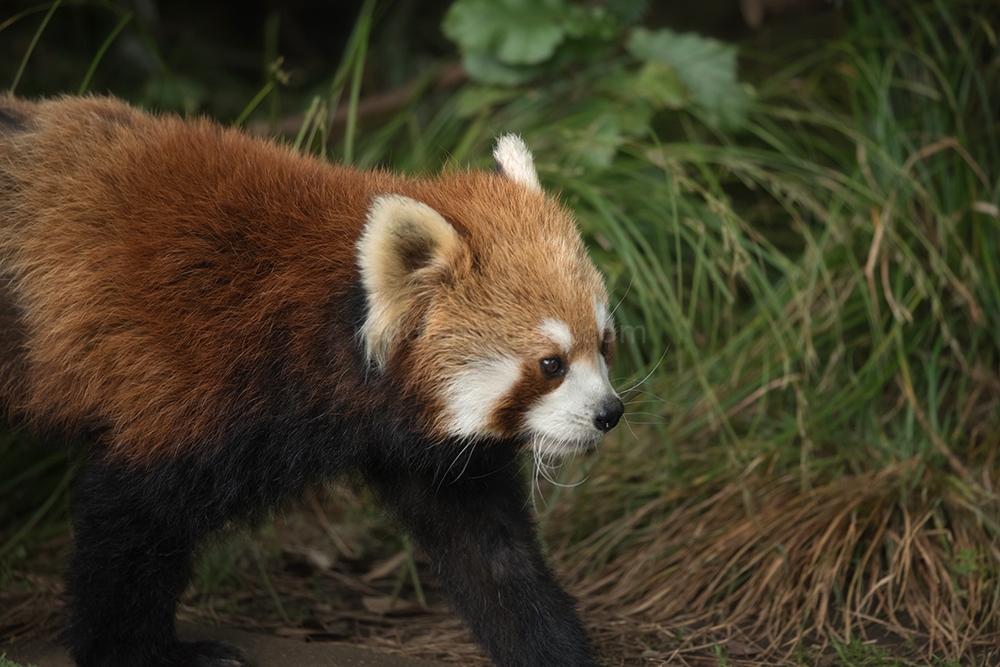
229 322
142 276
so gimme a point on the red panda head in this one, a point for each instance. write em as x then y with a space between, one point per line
481 296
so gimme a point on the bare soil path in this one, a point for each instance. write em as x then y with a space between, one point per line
264 650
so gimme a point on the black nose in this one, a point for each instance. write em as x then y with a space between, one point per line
609 414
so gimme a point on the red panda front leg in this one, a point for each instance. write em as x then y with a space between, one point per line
131 561
480 537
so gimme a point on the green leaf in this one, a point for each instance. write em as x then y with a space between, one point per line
732 106
659 84
706 66
583 22
482 66
626 12
634 118
516 32
655 84
592 133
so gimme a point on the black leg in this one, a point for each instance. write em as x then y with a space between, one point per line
134 535
480 537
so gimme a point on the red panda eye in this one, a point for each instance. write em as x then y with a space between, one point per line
607 346
553 367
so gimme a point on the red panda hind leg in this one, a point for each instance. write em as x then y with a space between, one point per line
130 563
137 527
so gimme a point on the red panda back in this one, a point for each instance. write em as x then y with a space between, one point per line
151 260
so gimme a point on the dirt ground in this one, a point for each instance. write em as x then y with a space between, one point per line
265 650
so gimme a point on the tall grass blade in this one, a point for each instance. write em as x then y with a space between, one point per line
360 55
31 45
254 103
101 51
308 122
356 45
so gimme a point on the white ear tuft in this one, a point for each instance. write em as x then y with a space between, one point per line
515 162
404 243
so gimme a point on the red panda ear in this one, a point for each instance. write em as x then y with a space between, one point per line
514 161
404 244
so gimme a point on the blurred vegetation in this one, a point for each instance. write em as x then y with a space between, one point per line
803 236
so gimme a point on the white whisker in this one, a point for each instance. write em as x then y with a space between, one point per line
648 375
649 396
628 425
470 442
622 300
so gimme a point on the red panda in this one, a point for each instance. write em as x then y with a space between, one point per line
225 322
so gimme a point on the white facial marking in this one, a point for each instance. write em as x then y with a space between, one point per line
472 394
516 162
558 332
562 421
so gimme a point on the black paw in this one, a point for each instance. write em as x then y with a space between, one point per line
210 654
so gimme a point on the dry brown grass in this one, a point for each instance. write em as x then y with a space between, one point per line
769 560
